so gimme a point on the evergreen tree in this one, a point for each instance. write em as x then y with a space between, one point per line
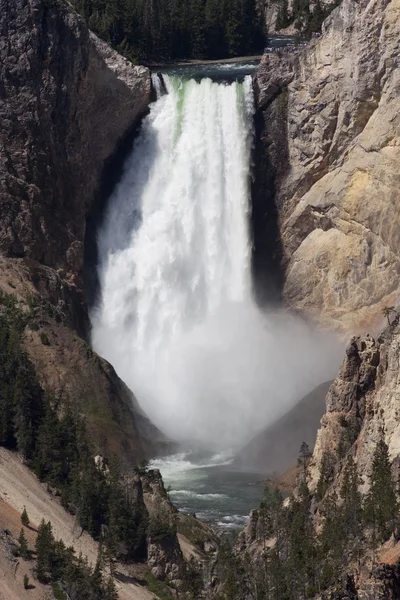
304 458
110 592
326 474
332 541
97 575
24 518
302 543
381 504
301 14
352 502
316 19
176 29
44 551
282 20
271 512
197 29
23 545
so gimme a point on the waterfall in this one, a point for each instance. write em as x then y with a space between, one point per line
176 316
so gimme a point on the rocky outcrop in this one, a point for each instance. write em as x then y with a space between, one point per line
361 407
361 404
67 101
327 187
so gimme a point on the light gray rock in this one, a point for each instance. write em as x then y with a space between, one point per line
335 165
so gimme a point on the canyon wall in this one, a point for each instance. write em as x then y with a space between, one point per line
67 100
327 181
67 103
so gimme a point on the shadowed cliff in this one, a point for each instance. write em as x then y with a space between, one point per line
68 101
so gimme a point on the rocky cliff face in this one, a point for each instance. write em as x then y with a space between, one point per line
362 403
68 101
327 185
361 406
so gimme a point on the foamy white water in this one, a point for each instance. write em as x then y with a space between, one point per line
210 488
176 316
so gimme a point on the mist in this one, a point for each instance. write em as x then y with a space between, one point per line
214 387
176 315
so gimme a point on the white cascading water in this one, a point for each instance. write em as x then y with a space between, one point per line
176 316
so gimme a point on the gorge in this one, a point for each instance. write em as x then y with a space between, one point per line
176 314
247 211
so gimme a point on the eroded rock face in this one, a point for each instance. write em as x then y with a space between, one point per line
336 198
362 403
66 102
67 99
164 554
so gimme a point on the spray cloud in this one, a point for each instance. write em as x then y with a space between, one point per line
176 316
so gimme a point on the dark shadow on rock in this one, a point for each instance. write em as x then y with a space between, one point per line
128 579
271 163
111 176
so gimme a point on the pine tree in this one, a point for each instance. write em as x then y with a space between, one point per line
327 472
198 34
283 20
23 545
332 541
44 551
316 19
303 461
26 582
381 504
27 407
97 575
110 592
352 501
24 518
271 512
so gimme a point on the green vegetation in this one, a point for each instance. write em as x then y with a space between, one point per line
160 530
148 30
301 562
382 504
45 339
157 587
51 435
26 582
23 549
306 16
326 474
70 577
24 518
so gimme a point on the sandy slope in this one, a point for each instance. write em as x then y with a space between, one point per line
19 488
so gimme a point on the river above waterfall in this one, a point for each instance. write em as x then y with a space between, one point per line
217 71
211 488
